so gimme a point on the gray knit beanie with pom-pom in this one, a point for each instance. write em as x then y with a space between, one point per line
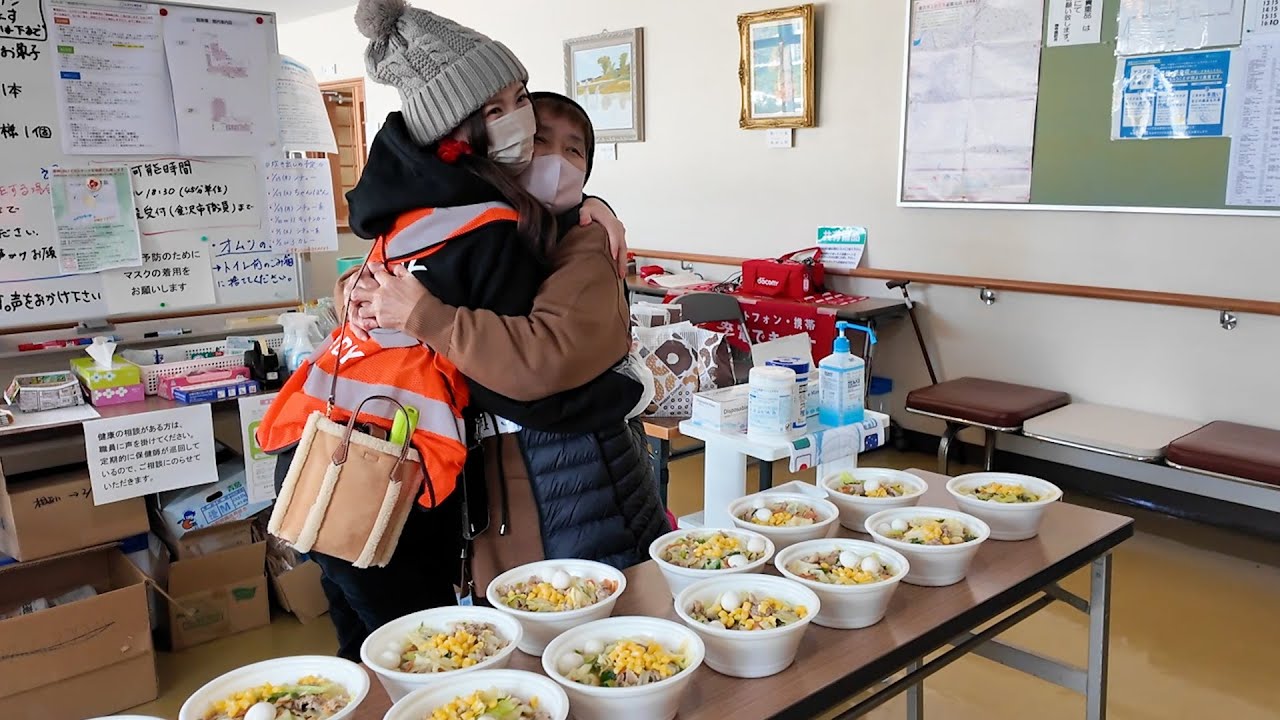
444 71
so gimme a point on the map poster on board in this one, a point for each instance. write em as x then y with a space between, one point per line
94 218
1182 95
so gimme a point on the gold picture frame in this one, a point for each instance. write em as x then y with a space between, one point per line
771 43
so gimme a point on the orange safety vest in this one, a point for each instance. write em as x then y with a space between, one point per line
390 363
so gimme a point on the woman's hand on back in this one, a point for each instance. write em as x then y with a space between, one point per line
595 210
355 290
391 302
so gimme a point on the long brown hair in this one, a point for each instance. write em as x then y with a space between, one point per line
537 226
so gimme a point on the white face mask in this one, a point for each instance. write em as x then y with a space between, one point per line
555 182
511 139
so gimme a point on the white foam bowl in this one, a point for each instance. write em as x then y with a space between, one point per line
854 509
932 565
749 653
541 628
1008 521
655 701
394 634
846 607
419 704
280 671
679 578
785 537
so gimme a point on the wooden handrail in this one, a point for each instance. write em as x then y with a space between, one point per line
1149 297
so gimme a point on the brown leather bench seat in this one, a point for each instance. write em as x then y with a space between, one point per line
1230 450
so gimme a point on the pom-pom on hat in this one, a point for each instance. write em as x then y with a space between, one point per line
443 71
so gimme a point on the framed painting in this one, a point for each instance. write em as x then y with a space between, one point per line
777 68
605 74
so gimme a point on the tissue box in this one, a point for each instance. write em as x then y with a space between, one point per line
117 395
122 374
201 377
723 410
44 391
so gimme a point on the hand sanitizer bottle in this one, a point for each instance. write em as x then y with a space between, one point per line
841 381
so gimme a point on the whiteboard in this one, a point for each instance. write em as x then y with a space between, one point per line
171 191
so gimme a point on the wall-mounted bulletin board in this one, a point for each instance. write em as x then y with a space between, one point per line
1125 105
136 139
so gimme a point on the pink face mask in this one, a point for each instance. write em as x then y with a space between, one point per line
555 182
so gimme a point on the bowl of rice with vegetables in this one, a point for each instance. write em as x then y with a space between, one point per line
1013 505
625 668
489 694
291 688
854 579
862 492
551 596
939 543
422 649
752 624
687 556
785 518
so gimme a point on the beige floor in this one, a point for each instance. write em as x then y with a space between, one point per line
1194 632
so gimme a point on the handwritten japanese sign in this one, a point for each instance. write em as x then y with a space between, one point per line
300 212
182 194
137 455
247 269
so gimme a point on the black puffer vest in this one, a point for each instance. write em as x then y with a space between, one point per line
596 494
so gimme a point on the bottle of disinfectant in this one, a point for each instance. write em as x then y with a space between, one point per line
841 381
300 333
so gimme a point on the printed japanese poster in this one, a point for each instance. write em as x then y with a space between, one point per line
1180 95
972 91
259 466
304 122
172 277
300 206
1160 26
1074 22
1253 176
842 246
147 453
223 73
113 90
94 218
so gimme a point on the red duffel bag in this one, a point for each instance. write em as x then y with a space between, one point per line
793 276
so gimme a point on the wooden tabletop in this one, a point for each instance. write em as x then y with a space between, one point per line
865 309
663 428
834 665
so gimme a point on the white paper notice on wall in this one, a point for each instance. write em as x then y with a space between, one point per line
112 85
94 218
247 270
1160 26
1261 17
304 122
300 211
842 246
136 455
1074 22
259 466
170 278
223 76
184 194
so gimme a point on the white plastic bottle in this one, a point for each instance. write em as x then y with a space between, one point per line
770 403
300 331
841 381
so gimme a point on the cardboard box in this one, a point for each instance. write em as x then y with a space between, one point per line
44 514
84 659
299 591
723 410
224 501
218 584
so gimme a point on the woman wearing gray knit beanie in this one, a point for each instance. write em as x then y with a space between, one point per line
440 202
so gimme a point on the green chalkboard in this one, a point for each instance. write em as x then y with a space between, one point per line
1076 163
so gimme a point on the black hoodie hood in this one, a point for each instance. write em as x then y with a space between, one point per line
402 176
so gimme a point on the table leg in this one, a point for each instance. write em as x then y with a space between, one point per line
915 695
766 474
1099 639
725 479
660 456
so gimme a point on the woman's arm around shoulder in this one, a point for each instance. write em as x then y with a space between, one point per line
577 329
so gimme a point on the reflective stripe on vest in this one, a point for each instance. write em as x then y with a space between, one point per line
432 228
434 416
